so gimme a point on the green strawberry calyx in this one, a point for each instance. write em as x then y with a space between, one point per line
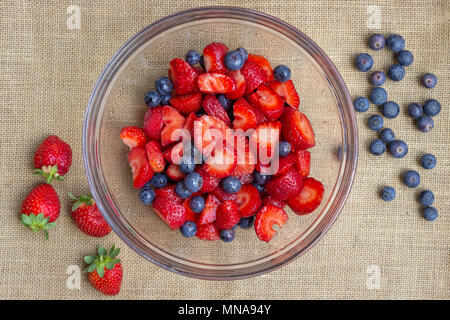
49 172
104 260
88 200
37 223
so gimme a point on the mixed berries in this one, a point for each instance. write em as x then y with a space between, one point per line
228 149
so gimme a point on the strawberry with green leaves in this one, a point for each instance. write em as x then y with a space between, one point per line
87 216
53 158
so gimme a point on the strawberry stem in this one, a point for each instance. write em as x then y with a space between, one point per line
37 223
49 173
88 200
103 260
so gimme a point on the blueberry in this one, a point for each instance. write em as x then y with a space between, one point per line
398 148
197 204
376 42
163 85
377 147
187 166
165 99
428 161
147 195
159 180
361 104
411 179
388 193
284 148
431 107
231 184
234 60
415 110
390 110
377 78
429 80
260 178
227 235
425 124
375 122
405 58
426 198
258 187
247 223
182 191
430 213
224 101
282 73
152 98
243 53
188 229
378 96
193 181
364 62
387 135
192 57
395 42
396 72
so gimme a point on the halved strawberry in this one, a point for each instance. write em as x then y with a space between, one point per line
172 121
214 56
155 156
239 88
171 212
208 214
266 138
260 116
183 76
297 129
213 108
284 163
271 200
245 162
268 101
173 153
189 123
207 130
168 192
153 123
254 75
208 232
228 215
286 185
174 172
222 195
303 162
133 137
249 200
142 173
190 215
266 218
188 103
213 82
287 91
244 116
221 163
209 182
309 198
264 64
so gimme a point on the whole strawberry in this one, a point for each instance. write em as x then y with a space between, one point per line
105 271
41 208
88 217
53 158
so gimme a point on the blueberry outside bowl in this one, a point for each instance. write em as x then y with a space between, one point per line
117 100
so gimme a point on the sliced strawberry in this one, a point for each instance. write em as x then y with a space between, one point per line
286 185
174 172
260 116
213 108
244 116
266 218
213 82
189 124
173 153
309 198
271 200
171 212
297 129
284 163
245 179
245 163
249 200
264 64
208 214
153 123
206 131
221 163
223 196
239 85
142 173
209 182
214 56
303 162
208 232
188 103
228 215
254 75
133 137
266 138
287 91
268 101
172 121
168 192
190 215
155 156
183 76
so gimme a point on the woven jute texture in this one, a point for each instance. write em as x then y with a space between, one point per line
375 250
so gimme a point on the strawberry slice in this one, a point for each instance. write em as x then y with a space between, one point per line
168 192
266 218
297 129
214 56
239 89
223 196
309 198
153 123
171 212
190 215
133 137
209 182
228 215
266 138
244 116
142 173
207 130
174 172
284 163
208 232
189 123
268 101
213 108
245 178
155 156
303 162
264 64
183 76
208 214
221 163
260 116
271 200
188 103
254 75
245 163
213 82
287 91
173 153
249 200
286 185
172 121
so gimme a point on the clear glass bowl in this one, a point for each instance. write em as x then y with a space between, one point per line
117 100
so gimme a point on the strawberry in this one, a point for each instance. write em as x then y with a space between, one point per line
155 156
168 192
303 162
183 76
264 64
174 172
153 123
254 75
266 218
223 196
286 185
172 121
227 215
244 116
266 138
208 214
138 161
41 208
171 212
190 215
239 85
268 101
284 163
308 199
246 178
245 163
189 124
213 108
221 163
208 232
87 216
213 57
173 153
213 82
260 116
209 182
187 103
271 200
105 271
133 137
297 130
249 200
287 91
52 158
206 129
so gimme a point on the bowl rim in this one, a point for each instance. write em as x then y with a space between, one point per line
93 169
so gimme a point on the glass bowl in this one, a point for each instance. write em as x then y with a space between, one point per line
117 100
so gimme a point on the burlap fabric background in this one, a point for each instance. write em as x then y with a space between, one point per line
46 75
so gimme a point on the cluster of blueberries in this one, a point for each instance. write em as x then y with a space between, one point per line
422 114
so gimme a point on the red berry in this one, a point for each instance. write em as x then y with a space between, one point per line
296 129
168 192
227 215
303 162
284 163
208 214
174 172
209 182
171 212
266 138
153 123
249 200
268 101
208 232
308 199
188 103
222 195
214 56
213 82
254 75
287 91
245 163
88 218
190 215
286 185
244 115
264 64
221 163
239 85
189 124
205 129
138 161
155 156
184 77
172 121
271 200
266 218
213 108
